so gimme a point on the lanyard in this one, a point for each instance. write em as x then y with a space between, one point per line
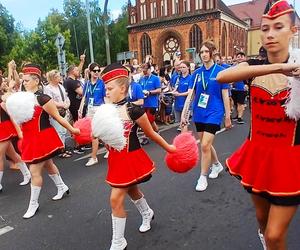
92 90
202 74
146 82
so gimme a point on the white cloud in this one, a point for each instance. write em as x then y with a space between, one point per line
115 13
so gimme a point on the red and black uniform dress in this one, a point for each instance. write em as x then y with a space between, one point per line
40 140
131 165
7 129
268 163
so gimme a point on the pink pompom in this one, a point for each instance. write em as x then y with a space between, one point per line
85 127
186 156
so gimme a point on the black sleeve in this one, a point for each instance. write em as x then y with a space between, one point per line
135 111
255 62
43 99
74 85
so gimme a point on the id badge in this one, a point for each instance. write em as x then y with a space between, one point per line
91 102
203 100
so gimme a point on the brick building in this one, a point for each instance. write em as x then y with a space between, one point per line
162 27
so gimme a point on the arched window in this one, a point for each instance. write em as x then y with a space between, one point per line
195 37
224 41
146 46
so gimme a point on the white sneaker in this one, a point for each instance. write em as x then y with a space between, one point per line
215 170
262 239
202 183
1 188
91 162
106 155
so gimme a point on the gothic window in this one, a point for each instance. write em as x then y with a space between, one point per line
171 46
164 7
146 46
143 11
153 10
199 4
224 41
195 37
133 18
186 6
209 4
175 7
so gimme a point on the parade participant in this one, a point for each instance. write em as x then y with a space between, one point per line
40 140
180 91
239 93
211 102
131 166
152 88
7 132
267 164
94 96
135 91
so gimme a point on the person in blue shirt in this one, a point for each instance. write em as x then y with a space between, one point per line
151 88
135 91
176 72
94 94
239 93
211 102
180 90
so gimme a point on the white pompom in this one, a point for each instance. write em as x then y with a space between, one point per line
20 106
292 105
108 126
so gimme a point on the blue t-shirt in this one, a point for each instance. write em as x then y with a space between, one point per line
149 83
174 78
183 86
206 83
94 93
135 92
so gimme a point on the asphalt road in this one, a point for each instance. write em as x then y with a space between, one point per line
220 218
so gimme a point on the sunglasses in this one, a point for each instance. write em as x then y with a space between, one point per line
96 70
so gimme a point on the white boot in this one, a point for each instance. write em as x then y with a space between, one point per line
262 239
62 188
146 212
1 175
33 203
118 241
25 172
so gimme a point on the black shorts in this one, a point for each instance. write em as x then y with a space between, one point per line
207 127
238 96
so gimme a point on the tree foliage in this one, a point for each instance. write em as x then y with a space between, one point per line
38 45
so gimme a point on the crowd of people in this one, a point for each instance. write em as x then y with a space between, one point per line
210 95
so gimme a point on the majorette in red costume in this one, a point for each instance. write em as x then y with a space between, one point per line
7 129
268 161
128 163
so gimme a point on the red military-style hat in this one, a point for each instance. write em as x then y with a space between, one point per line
114 71
29 69
276 8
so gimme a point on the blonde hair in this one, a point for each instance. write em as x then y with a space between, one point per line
51 75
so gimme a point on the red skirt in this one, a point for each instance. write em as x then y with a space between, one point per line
7 130
128 168
40 146
271 169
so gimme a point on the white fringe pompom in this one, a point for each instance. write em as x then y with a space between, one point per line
20 106
292 105
108 126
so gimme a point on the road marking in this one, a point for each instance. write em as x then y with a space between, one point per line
162 129
5 230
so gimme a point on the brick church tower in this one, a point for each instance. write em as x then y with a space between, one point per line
162 27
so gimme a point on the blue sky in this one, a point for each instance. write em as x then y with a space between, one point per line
29 11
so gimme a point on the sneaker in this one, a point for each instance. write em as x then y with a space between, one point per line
234 118
202 183
87 147
78 151
144 141
262 239
91 162
215 170
179 129
106 155
240 121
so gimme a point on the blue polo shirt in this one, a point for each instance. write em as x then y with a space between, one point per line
183 86
96 91
135 92
149 83
174 78
206 83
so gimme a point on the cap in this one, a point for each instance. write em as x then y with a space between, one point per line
276 8
114 71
